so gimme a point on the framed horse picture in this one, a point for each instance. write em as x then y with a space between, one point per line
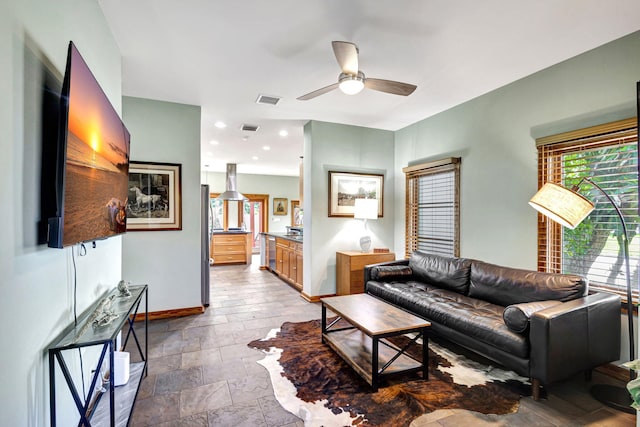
155 196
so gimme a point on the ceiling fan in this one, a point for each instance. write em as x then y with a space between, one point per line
351 80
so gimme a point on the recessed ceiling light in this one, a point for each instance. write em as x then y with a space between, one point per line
266 148
214 142
245 138
220 125
254 158
284 133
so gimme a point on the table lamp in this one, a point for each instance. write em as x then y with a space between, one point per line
569 208
365 209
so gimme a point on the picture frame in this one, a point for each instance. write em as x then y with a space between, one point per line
280 206
345 187
154 202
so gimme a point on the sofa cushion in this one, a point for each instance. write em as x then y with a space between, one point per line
388 273
506 286
474 318
445 272
517 316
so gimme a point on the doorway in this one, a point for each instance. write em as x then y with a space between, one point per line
255 214
252 214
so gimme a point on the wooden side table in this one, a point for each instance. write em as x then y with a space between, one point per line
350 269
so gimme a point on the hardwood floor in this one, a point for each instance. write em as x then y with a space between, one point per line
201 372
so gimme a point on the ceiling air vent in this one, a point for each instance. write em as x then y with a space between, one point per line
266 99
249 128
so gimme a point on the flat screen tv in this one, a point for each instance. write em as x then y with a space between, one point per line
92 161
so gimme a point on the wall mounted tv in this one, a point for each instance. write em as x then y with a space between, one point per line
92 161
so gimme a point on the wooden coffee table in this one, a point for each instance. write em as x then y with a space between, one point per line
363 345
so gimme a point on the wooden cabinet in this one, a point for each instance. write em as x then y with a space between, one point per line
231 248
286 257
295 264
350 269
289 261
282 251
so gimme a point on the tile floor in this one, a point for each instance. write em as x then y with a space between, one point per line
201 372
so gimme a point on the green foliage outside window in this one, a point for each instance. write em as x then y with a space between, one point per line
598 239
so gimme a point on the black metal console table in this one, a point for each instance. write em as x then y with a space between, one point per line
116 408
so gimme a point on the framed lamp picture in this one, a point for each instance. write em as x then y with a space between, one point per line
155 196
346 187
280 206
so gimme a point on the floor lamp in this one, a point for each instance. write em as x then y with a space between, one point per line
569 208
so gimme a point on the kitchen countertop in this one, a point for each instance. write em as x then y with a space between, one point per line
231 232
284 235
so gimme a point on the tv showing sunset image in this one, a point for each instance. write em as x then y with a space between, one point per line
96 160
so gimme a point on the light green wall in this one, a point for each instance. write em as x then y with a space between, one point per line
169 261
495 136
37 283
333 147
273 185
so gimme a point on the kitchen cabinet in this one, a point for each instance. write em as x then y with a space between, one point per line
231 248
289 261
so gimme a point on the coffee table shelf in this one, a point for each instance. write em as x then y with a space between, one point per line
363 345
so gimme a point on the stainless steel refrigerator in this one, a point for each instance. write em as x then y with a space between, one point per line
205 243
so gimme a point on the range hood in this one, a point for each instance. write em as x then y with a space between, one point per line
231 192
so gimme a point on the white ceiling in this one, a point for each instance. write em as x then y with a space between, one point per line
222 54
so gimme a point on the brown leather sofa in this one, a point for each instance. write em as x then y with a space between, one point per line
544 326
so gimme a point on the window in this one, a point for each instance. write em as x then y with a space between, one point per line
608 155
432 216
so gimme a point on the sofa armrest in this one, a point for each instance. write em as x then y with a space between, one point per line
367 268
574 336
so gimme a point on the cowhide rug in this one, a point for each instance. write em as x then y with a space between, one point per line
314 383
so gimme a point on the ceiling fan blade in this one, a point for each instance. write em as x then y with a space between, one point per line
318 92
347 56
389 86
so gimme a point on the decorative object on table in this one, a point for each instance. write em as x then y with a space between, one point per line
123 289
101 316
104 314
279 206
365 209
381 250
313 382
346 187
567 207
155 196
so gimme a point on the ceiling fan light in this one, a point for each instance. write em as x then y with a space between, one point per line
350 84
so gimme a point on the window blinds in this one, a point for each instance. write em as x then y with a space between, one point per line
432 208
607 154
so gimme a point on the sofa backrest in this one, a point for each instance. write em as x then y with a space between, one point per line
505 286
444 272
